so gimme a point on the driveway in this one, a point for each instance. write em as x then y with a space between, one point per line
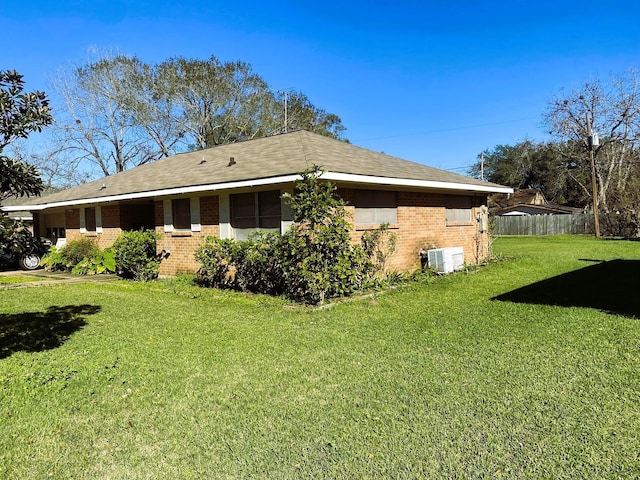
35 278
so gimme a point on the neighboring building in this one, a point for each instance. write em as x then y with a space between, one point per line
528 201
231 190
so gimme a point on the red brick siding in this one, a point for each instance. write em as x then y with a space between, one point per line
182 246
420 225
72 224
209 211
110 225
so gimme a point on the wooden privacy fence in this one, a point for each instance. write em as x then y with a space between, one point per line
542 224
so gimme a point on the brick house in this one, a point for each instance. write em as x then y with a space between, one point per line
231 190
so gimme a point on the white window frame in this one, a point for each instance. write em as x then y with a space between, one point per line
83 221
194 211
243 233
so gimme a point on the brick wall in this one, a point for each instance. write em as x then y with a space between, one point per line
110 225
421 224
182 245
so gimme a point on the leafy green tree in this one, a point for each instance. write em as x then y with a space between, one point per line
317 256
545 166
21 113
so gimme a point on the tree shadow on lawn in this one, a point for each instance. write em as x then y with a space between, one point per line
40 331
611 286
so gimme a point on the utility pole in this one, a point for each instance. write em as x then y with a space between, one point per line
593 141
482 166
286 94
286 108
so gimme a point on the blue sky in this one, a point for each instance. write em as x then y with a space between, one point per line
435 82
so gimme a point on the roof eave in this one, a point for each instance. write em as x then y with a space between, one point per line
407 182
334 176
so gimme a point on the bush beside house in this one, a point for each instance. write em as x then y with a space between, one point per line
313 260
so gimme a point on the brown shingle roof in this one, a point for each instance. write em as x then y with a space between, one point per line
264 158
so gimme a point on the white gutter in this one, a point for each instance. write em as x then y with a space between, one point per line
155 193
405 182
341 177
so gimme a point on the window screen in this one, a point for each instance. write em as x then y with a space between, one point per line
255 211
458 209
375 207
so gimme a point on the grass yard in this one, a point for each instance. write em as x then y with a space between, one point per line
13 279
525 368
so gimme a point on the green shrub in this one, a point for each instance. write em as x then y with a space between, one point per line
53 260
313 261
258 264
252 265
135 255
76 250
321 263
103 262
217 258
83 252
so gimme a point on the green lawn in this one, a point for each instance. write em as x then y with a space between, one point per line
525 368
13 279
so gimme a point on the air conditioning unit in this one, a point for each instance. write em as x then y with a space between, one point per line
446 260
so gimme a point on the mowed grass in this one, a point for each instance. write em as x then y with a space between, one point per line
438 379
13 279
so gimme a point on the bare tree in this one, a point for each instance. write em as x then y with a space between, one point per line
613 111
105 103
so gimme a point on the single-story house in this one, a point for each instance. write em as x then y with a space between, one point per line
231 190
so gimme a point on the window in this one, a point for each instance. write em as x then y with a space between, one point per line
54 233
255 211
375 207
458 210
181 213
90 219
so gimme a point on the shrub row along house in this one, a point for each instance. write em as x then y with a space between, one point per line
232 190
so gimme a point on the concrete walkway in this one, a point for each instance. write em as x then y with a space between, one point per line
41 277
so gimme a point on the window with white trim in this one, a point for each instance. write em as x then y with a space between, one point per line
91 220
375 207
182 215
254 211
